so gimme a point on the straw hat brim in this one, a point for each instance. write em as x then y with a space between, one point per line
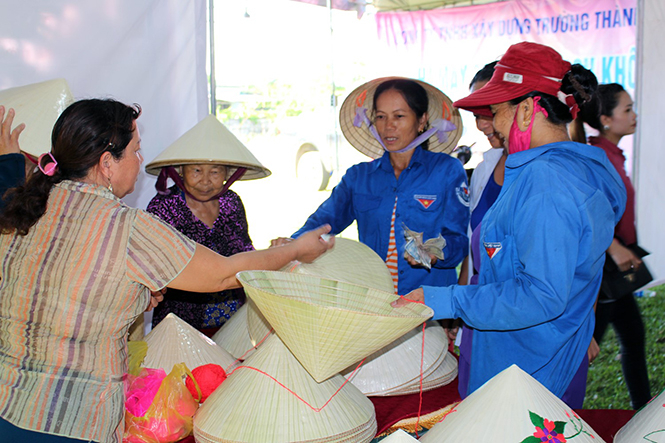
38 105
209 142
328 324
440 106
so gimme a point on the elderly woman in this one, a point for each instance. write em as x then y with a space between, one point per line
203 163
77 269
405 125
543 241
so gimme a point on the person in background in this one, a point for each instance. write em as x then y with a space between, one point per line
542 241
613 116
201 206
12 161
404 124
78 267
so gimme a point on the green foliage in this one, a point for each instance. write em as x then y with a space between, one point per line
606 388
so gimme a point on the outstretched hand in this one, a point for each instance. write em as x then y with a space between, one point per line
311 245
8 138
417 296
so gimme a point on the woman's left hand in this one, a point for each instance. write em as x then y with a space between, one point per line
156 297
9 138
417 296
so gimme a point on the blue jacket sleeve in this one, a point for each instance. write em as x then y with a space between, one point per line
544 263
337 210
455 219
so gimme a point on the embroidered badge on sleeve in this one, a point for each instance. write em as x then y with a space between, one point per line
463 194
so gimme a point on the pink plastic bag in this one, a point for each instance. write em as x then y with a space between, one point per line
168 411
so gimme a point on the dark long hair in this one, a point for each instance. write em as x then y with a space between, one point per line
83 132
414 95
579 81
484 74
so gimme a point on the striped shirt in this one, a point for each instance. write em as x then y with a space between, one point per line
69 290
391 259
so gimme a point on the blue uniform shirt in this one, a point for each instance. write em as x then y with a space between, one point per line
542 248
432 197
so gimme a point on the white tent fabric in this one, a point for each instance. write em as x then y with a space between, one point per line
150 52
649 179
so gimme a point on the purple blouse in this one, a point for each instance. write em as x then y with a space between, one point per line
229 235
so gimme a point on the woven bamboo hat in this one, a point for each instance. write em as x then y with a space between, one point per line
349 261
258 403
399 436
209 142
38 105
395 369
175 341
328 324
356 113
647 425
234 335
511 407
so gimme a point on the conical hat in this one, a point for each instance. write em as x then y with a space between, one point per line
511 406
647 425
348 261
209 142
400 362
251 406
399 436
234 335
440 374
38 105
175 341
257 324
360 137
328 324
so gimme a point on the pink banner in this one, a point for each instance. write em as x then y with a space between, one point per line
446 47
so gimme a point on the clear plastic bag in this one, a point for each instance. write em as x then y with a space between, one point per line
168 417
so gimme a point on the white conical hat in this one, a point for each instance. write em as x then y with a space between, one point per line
510 407
251 406
175 341
209 142
647 425
234 335
328 324
399 436
349 261
38 105
257 324
400 362
440 374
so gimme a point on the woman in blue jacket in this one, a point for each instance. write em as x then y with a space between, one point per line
405 125
543 241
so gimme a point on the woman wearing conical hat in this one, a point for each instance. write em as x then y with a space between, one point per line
407 126
203 163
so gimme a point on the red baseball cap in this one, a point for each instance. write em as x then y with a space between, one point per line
525 67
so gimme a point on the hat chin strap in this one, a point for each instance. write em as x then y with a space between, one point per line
170 172
440 127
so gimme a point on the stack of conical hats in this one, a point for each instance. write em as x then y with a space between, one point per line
209 142
395 369
514 407
328 324
176 341
38 105
234 335
272 398
647 425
